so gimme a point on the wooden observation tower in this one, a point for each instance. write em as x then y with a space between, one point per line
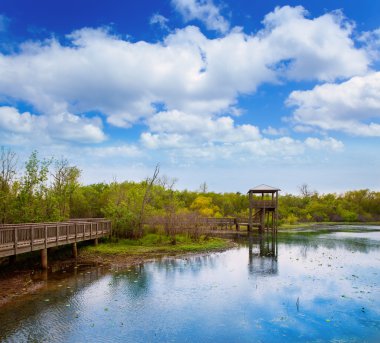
263 208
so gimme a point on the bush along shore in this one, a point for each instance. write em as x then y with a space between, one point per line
128 251
49 190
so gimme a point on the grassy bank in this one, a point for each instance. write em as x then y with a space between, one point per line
153 244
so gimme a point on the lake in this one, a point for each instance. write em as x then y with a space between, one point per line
309 286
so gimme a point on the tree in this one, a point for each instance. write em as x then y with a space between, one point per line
65 181
204 206
203 188
34 190
146 199
305 190
170 206
8 162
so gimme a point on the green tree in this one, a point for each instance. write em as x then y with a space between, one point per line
8 162
33 193
65 182
204 206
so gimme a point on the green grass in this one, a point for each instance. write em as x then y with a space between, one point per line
155 243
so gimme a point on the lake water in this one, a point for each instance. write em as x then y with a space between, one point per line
304 287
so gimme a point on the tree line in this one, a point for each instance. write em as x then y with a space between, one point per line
49 190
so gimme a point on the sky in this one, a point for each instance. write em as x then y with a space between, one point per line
231 93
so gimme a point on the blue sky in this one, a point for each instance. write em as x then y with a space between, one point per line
231 93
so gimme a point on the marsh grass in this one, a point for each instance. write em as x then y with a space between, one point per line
158 243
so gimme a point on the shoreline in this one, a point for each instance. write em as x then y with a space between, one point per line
24 280
315 225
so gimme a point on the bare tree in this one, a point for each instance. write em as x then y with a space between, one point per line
305 190
203 188
170 206
147 197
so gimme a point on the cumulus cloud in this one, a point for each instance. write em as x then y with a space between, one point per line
186 71
63 126
324 144
352 106
371 41
271 131
196 79
12 120
320 48
221 129
187 136
205 11
123 150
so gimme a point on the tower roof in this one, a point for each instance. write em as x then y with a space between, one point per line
264 189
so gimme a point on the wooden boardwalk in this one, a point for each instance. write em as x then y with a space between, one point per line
229 223
17 239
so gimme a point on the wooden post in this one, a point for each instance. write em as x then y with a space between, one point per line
276 209
15 240
75 250
250 212
262 220
44 259
31 238
236 224
96 242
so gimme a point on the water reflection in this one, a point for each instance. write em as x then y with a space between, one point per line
262 252
58 298
272 288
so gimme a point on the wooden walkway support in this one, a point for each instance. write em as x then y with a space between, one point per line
18 239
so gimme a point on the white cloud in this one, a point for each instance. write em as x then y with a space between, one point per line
63 126
187 72
189 137
12 120
205 11
221 129
352 106
320 48
324 144
303 128
371 41
271 131
123 150
160 20
70 127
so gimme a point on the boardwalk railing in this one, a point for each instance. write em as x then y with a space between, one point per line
264 203
222 223
21 238
193 221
